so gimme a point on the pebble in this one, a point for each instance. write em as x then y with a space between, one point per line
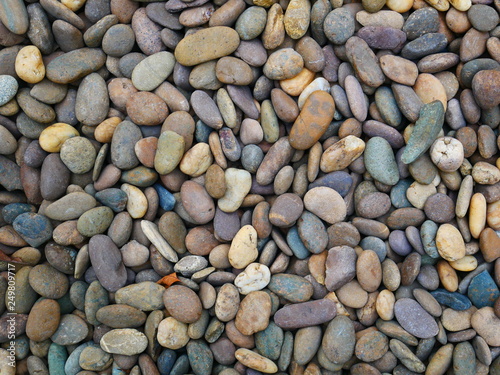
414 319
124 341
253 314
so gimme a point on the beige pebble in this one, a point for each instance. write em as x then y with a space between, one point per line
137 203
243 250
238 184
450 243
196 161
326 203
153 234
385 304
447 153
400 6
313 161
74 5
466 264
255 277
29 64
464 195
52 137
255 361
352 295
485 174
283 180
461 5
172 334
455 321
477 214
417 194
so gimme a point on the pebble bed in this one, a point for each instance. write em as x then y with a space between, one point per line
239 187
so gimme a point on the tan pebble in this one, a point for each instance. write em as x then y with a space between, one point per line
487 325
172 334
341 154
399 6
450 243
385 304
417 194
352 295
313 161
216 149
428 88
455 321
145 150
52 137
457 20
243 250
254 312
274 32
295 86
29 64
215 181
326 203
255 361
477 214
440 361
196 161
104 131
391 276
447 276
10 108
153 234
493 215
137 203
283 180
466 264
369 270
464 196
485 174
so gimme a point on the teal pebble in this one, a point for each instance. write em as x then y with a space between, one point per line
8 88
114 198
65 304
398 194
22 345
376 244
428 232
200 357
454 300
269 341
295 243
251 23
57 358
181 366
167 199
77 294
95 298
202 132
286 351
380 161
251 157
483 290
464 359
13 210
72 366
293 288
35 229
387 106
312 232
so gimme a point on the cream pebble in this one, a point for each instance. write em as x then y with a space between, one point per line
255 361
447 153
137 203
243 250
450 243
238 184
29 64
255 277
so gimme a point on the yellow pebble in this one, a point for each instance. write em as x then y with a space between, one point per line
477 214
467 263
461 5
385 304
29 64
256 361
137 203
52 137
105 130
447 275
439 5
74 5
